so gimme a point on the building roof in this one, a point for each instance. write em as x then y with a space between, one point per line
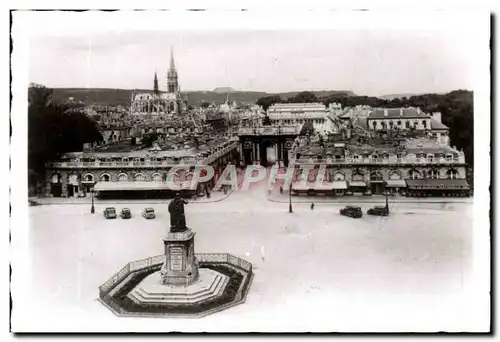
436 125
393 113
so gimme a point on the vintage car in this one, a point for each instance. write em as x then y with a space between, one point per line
126 214
33 203
351 211
148 213
378 211
110 213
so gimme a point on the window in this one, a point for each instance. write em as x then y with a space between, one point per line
424 123
430 158
376 176
407 124
122 177
139 177
452 174
434 174
105 177
157 177
399 122
414 174
338 176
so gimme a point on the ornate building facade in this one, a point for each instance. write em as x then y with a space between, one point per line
418 167
157 102
109 169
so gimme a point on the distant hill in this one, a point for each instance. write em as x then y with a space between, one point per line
400 96
114 97
224 90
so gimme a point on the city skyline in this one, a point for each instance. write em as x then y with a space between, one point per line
372 62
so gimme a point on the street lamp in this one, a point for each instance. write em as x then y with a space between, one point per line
386 190
290 195
92 208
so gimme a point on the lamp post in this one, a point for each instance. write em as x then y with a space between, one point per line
386 194
290 196
92 208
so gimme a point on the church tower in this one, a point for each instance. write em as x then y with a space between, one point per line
172 78
155 86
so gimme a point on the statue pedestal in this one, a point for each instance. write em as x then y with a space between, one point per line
180 267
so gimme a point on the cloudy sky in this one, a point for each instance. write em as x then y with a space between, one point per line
365 59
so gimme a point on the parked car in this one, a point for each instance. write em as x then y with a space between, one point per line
32 203
351 211
378 211
126 214
110 213
148 213
367 193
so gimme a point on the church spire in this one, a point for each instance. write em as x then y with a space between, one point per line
172 78
155 86
172 63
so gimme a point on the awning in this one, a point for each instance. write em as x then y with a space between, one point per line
301 186
138 186
357 183
396 183
339 185
440 184
325 186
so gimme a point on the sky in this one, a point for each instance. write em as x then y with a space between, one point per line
366 59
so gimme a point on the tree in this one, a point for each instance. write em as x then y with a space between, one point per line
52 131
303 97
149 139
266 101
307 129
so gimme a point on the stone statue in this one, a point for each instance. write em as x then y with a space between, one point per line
177 217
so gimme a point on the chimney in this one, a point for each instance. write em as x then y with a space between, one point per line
385 112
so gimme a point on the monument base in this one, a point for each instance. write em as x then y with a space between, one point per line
181 266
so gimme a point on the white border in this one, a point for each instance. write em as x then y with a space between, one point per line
473 315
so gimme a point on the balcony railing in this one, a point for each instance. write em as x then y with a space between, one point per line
147 162
377 161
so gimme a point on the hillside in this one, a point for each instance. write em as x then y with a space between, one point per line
400 96
114 97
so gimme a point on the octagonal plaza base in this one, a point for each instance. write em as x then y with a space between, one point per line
137 290
209 284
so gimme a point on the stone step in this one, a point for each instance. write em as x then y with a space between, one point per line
216 288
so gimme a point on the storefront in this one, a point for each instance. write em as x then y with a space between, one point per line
396 186
357 187
437 187
142 190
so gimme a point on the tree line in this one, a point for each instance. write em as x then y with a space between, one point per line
456 107
54 129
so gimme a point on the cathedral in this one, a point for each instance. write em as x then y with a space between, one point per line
156 102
